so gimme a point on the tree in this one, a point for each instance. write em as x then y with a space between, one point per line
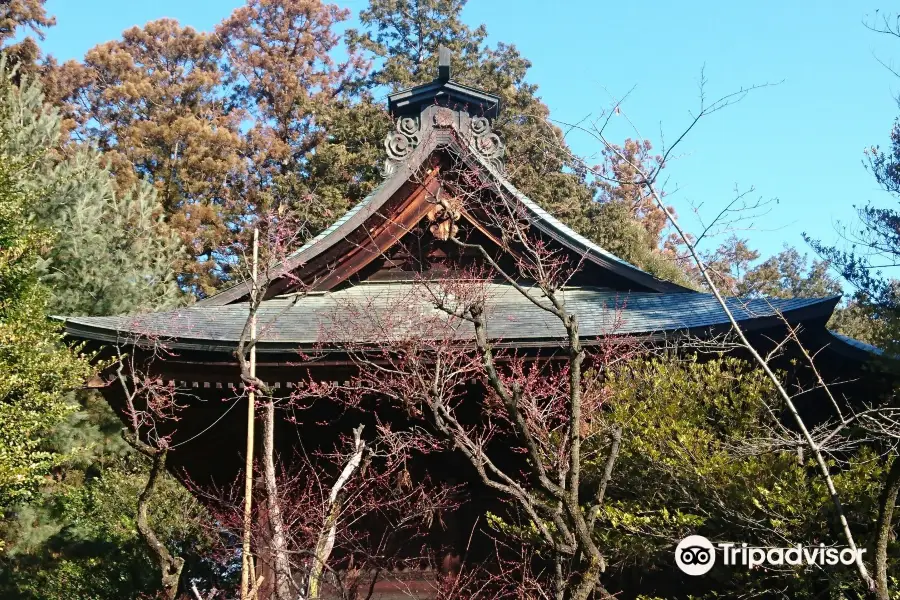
309 509
153 104
108 254
404 38
871 246
787 275
613 225
262 112
430 364
112 253
78 537
228 124
37 367
619 183
293 92
700 454
845 416
860 321
728 264
17 16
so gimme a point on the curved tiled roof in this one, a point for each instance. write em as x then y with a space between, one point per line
856 344
293 322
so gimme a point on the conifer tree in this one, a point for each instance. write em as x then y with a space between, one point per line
299 101
37 368
112 253
224 124
153 104
869 252
789 274
101 252
404 37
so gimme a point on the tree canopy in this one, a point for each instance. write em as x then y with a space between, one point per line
37 367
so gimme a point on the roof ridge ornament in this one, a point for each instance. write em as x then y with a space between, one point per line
487 143
443 63
445 108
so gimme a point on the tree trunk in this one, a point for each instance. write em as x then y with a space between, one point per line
169 566
886 504
264 562
325 543
278 548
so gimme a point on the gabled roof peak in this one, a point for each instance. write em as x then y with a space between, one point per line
442 105
443 91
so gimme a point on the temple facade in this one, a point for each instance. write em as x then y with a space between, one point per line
374 259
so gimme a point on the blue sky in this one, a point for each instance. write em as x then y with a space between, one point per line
800 141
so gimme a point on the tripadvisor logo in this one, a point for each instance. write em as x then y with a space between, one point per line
696 555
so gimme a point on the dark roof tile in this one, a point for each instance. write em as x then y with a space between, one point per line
512 317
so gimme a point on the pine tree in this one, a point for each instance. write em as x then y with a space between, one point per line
113 253
95 251
225 124
873 248
36 367
262 112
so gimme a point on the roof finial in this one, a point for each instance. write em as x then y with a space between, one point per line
430 110
443 63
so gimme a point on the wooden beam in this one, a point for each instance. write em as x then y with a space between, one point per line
366 243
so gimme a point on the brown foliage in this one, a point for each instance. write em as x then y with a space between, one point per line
224 124
152 102
16 15
619 182
280 66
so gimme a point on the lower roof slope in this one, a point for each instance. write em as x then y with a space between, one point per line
365 312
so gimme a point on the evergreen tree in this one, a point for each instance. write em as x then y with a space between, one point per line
295 96
873 249
619 183
225 124
77 538
787 274
871 244
404 36
262 112
108 253
113 253
36 367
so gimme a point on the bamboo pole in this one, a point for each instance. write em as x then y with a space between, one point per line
246 558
